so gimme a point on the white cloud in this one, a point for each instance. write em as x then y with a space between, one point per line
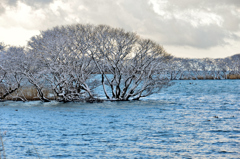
189 25
16 35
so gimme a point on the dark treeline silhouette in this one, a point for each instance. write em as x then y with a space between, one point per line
66 63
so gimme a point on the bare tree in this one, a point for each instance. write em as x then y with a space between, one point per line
63 51
10 76
175 68
127 63
235 59
33 70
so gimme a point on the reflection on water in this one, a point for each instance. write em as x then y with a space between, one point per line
197 120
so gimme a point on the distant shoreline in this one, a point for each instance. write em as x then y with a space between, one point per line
229 77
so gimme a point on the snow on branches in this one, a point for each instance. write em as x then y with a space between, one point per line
71 56
128 65
10 75
72 61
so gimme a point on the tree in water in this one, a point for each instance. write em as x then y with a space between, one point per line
10 74
129 65
67 67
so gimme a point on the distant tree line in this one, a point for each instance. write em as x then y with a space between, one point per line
72 61
202 69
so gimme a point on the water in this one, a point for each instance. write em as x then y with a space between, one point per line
191 119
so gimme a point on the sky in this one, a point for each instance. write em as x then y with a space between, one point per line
185 28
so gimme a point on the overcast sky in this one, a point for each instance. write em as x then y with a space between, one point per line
185 28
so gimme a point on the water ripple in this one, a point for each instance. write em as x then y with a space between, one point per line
200 120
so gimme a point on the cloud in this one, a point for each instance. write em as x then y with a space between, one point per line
200 24
204 4
16 36
35 3
2 9
11 2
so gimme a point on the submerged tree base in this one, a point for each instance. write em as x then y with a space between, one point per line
94 100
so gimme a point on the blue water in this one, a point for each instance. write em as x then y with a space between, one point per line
191 119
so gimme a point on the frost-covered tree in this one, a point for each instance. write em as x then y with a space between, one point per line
66 60
206 68
10 75
2 46
128 65
235 59
33 71
178 68
63 54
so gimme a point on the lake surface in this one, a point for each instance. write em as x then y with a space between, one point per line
190 119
